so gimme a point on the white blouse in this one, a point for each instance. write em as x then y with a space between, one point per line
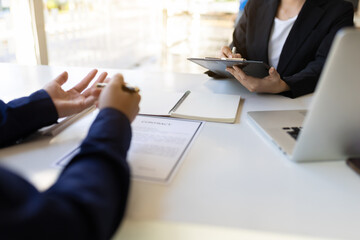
278 36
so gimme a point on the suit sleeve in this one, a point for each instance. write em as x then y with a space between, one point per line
305 81
239 34
89 198
23 116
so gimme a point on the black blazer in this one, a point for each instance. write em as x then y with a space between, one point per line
306 48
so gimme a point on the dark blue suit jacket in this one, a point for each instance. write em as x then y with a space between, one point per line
306 48
88 200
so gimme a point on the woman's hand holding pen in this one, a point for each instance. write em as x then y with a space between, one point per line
76 99
226 52
114 95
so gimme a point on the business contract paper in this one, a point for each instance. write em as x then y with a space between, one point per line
157 147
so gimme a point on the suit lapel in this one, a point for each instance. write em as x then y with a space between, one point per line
265 23
307 19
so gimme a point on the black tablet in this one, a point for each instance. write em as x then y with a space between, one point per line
217 66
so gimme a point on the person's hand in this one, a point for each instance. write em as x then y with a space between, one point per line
227 53
269 84
113 96
76 99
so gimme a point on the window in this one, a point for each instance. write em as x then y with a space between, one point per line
122 34
7 48
103 33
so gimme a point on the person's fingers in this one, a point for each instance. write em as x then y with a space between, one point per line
236 55
100 79
248 82
273 74
95 92
230 70
272 71
93 88
85 82
118 78
62 78
96 103
235 73
138 97
240 72
107 80
89 101
226 52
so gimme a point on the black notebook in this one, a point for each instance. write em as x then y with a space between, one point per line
217 66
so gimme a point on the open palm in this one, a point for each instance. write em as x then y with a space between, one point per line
75 99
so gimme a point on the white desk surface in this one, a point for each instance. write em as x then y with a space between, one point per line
232 184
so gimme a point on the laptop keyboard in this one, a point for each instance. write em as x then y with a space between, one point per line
293 131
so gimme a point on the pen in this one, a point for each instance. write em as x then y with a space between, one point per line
233 50
126 88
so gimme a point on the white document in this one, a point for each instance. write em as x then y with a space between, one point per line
158 146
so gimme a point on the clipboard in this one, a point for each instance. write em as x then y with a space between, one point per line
217 66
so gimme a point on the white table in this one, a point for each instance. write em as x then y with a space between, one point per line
232 184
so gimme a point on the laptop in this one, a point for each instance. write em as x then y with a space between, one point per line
330 128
